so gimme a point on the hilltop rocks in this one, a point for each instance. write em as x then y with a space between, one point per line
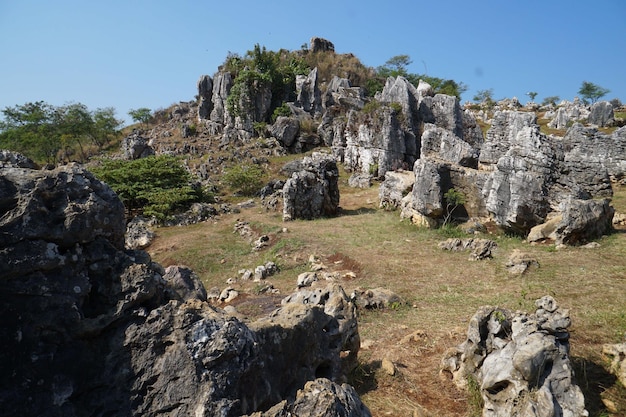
601 114
520 362
321 45
108 332
309 97
313 191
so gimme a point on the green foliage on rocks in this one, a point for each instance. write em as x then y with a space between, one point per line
260 69
155 186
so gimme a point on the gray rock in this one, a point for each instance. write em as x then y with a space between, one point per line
616 353
320 398
136 146
358 180
10 159
502 134
584 220
108 332
480 248
285 130
309 96
183 284
601 114
519 262
321 45
512 355
312 192
222 83
138 234
442 144
396 185
205 92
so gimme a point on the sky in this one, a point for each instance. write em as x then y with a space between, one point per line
129 54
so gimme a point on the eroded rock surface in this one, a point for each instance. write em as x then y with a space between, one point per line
91 329
520 362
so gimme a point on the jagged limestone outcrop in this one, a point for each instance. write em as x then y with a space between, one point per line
519 361
106 331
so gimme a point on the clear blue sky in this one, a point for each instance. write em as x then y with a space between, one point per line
138 53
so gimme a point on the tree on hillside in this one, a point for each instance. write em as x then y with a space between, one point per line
141 115
592 92
532 95
398 66
51 134
550 101
485 97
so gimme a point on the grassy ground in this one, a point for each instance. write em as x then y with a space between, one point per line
441 290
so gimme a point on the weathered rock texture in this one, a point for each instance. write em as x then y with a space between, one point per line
92 330
313 191
519 361
518 177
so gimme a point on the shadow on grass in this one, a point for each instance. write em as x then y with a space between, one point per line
356 211
363 377
593 379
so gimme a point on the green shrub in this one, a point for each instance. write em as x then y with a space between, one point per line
282 110
155 186
244 179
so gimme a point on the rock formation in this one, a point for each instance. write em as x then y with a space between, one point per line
520 362
601 114
106 331
136 146
313 191
321 45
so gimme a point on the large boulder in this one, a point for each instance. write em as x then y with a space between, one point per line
136 146
503 131
313 191
601 114
321 45
285 130
396 185
583 221
106 331
520 362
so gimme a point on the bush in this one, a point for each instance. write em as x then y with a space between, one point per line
282 110
154 186
244 179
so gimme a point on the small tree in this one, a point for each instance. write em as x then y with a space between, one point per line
453 200
532 95
550 101
484 97
592 92
141 115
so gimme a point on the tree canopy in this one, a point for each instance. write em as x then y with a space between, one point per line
592 92
155 185
51 134
397 66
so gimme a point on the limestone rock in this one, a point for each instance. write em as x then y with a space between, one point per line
442 144
10 159
321 45
309 97
136 146
108 332
601 114
584 220
138 234
320 398
358 180
312 192
617 355
396 185
502 134
205 92
519 262
376 298
222 83
512 355
285 129
480 248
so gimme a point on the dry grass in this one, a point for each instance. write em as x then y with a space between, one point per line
441 290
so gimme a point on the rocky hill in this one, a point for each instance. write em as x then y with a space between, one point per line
96 328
